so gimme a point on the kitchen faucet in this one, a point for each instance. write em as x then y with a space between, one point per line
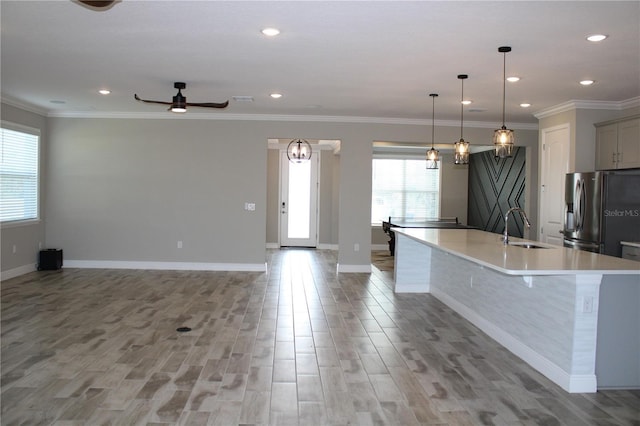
505 235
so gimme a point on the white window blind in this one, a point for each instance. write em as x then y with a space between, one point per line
19 151
404 188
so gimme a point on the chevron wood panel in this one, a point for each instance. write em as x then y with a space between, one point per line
496 185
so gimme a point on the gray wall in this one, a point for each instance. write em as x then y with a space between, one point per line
28 237
120 189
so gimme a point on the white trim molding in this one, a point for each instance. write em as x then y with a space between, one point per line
16 272
166 266
577 104
365 269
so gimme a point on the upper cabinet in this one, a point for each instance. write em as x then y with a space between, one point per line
618 144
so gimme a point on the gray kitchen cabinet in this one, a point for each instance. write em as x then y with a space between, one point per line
618 144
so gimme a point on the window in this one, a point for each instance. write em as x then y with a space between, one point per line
19 151
404 187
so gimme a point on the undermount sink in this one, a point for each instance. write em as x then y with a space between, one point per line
527 245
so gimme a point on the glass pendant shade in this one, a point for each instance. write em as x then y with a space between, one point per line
503 138
432 159
461 147
461 152
298 151
432 154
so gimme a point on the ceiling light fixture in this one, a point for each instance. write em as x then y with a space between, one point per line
461 148
525 105
432 154
503 138
596 37
587 82
276 95
271 32
104 91
466 102
179 104
299 151
513 79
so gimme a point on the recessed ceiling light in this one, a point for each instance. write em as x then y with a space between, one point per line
104 91
587 82
525 105
513 79
596 37
466 102
271 32
276 95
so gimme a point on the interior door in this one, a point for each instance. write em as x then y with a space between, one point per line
298 202
554 167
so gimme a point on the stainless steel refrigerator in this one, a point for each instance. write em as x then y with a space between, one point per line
602 209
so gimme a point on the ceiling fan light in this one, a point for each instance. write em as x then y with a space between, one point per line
179 104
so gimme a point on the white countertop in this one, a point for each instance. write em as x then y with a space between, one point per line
630 243
486 248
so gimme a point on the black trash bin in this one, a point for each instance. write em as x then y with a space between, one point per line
50 260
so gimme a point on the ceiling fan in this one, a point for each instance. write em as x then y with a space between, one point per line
98 4
180 103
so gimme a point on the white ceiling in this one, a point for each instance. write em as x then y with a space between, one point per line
361 59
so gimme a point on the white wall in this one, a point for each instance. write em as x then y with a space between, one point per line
127 190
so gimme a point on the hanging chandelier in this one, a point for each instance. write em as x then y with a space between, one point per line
461 148
503 138
299 151
432 154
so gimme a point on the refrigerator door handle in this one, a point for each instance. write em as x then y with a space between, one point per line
578 204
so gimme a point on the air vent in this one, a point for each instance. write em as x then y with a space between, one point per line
243 98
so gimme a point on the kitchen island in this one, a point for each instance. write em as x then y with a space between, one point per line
572 315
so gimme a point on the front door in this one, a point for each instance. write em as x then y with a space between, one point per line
298 202
554 167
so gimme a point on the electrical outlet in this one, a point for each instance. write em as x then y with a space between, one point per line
179 244
15 249
356 247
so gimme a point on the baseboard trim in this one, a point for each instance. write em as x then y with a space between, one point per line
354 268
379 247
166 266
16 272
572 383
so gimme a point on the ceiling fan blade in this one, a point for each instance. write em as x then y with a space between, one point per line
98 4
151 102
209 104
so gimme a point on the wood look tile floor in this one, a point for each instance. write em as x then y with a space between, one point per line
299 345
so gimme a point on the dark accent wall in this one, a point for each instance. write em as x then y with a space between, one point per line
496 185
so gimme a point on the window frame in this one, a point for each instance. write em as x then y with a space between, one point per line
406 156
8 125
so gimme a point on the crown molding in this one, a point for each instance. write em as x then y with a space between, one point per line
7 100
578 104
282 117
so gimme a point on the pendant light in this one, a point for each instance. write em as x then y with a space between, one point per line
503 138
432 154
461 148
299 151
